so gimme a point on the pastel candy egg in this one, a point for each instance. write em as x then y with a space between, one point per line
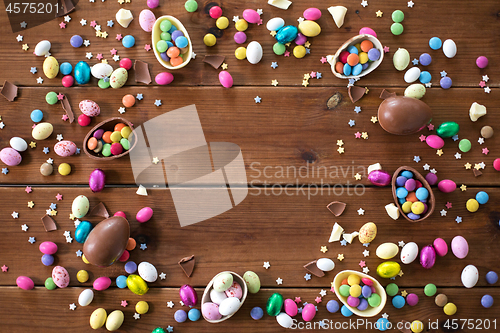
98 318
275 24
210 311
18 143
164 78
147 20
470 276
65 148
223 281
388 269
251 16
217 297
101 70
284 320
253 281
225 79
290 307
86 297
50 67
234 291
449 48
387 250
325 264
459 247
89 108
118 78
102 283
80 206
367 232
42 48
254 52
312 14
229 306
412 75
308 312
434 141
188 295
144 214
137 285
149 273
401 59
415 90
97 180
42 131
114 320
10 156
309 28
25 283
367 31
409 253
83 231
427 257
440 246
447 186
82 72
48 247
274 304
60 276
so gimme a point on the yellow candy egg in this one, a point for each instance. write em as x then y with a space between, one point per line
114 320
137 285
142 307
417 326
406 207
355 290
388 269
450 309
240 53
98 318
309 28
50 67
363 58
82 276
209 40
353 279
85 259
222 23
417 208
299 51
472 205
116 136
64 169
125 132
241 25
367 233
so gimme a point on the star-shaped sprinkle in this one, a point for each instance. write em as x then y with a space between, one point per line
24 24
236 19
147 47
482 84
62 25
443 212
5 268
323 60
170 329
307 44
24 227
156 160
422 138
260 11
170 304
60 96
143 247
19 38
266 265
67 18
458 219
443 74
400 274
379 13
426 167
385 316
366 270
72 306
357 109
361 211
121 110
39 80
430 127
463 188
274 83
286 54
305 83
343 242
110 23
162 276
53 206
77 223
318 299
351 123
386 49
139 97
416 159
15 215
404 293
467 166
33 70
364 3
357 176
428 84
193 56
307 277
157 102
137 316
31 204
322 292
364 135
357 135
279 281
324 249
25 47
274 64
86 42
366 253
485 78
59 137
83 22
124 303
118 37
99 56
116 57
401 244
340 150
362 264
45 150
257 99
458 156
485 151
31 240
439 152
366 244
300 20
480 141
340 142
79 253
224 66
340 257
455 137
410 4
28 189
487 90
415 61
50 161
297 300
482 165
69 239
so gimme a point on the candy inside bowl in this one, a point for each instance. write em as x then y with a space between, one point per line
363 61
118 131
357 279
230 299
186 52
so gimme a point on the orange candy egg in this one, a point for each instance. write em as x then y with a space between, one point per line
344 281
339 67
366 45
173 52
412 197
176 61
353 59
107 136
119 126
92 143
128 101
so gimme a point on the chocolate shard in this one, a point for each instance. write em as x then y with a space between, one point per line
9 91
99 210
48 223
355 93
67 107
214 60
142 72
66 7
187 265
313 269
476 172
404 326
336 207
386 94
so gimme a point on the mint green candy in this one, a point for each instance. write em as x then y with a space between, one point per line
344 290
165 25
464 145
430 289
279 48
166 36
106 150
125 144
51 98
49 284
191 6
392 289
374 300
103 84
398 16
161 46
397 29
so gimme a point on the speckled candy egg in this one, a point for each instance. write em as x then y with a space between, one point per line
89 108
10 156
470 276
50 67
229 306
80 206
223 281
210 311
101 70
217 297
65 148
147 20
253 282
234 291
427 257
42 131
367 233
459 247
147 271
60 276
409 253
118 78
98 318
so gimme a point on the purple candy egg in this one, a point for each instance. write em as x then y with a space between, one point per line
401 181
130 267
164 56
353 301
410 184
363 305
301 39
431 178
176 33
425 59
427 257
76 41
240 37
47 259
373 54
379 178
98 134
445 82
97 180
153 3
365 65
412 216
188 295
180 316
412 299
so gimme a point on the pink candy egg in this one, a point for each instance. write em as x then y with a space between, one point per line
251 16
234 291
147 20
97 180
312 14
89 108
25 283
379 178
240 37
308 312
447 186
84 120
10 156
290 307
367 31
427 257
300 39
164 78
68 81
226 79
210 311
459 247
440 246
65 148
60 276
188 295
144 214
496 164
48 248
367 281
434 141
102 283
120 213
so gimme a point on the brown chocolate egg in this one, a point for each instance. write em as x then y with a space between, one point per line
107 241
403 115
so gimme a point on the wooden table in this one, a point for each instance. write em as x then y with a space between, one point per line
293 128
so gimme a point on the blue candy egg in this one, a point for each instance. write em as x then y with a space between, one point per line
47 259
491 277
130 267
76 41
435 43
128 41
413 216
422 193
36 115
172 29
194 314
487 301
345 311
356 70
383 324
65 68
425 77
401 180
83 231
398 301
332 306
352 49
286 34
407 174
82 72
347 69
256 313
181 42
121 281
401 192
363 305
482 197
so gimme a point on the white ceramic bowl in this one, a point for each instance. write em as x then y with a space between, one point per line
206 294
155 36
370 312
353 41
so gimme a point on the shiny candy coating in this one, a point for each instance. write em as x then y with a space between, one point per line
98 318
459 247
448 129
434 141
164 78
309 28
430 289
312 14
403 115
102 283
308 312
274 304
82 231
86 297
286 34
137 285
254 52
275 24
290 307
25 283
194 314
427 257
284 320
379 178
487 301
114 320
48 247
440 247
49 284
144 214
225 78
450 309
188 295
121 281
447 186
82 276
388 269
97 180
180 316
146 271
251 16
470 276
82 72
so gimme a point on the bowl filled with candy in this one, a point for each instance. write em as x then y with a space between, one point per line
360 293
412 194
357 57
223 297
110 139
171 42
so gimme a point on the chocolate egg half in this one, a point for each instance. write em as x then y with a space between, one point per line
107 241
403 115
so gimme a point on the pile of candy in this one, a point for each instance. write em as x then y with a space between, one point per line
412 195
360 293
357 58
173 44
110 142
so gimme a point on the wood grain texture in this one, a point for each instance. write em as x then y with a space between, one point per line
284 139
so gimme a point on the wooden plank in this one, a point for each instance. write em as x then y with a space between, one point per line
40 307
473 28
286 229
280 137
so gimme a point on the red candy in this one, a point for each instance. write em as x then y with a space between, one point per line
343 56
496 164
68 81
125 256
116 148
215 12
126 63
120 213
84 120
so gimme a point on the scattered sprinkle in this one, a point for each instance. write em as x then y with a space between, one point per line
324 249
257 99
72 306
340 256
307 277
266 265
463 188
366 253
124 303
279 281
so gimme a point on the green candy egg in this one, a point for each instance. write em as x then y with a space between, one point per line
49 284
106 150
430 289
274 304
392 289
398 16
253 282
464 145
388 269
191 6
103 84
137 285
125 144
158 330
223 281
161 46
166 36
165 25
397 29
448 129
279 48
344 290
374 300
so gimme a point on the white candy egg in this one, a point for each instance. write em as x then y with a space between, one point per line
284 320
42 48
449 48
325 264
412 74
86 297
387 250
470 275
101 70
254 52
217 297
18 143
275 24
229 306
147 271
409 253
